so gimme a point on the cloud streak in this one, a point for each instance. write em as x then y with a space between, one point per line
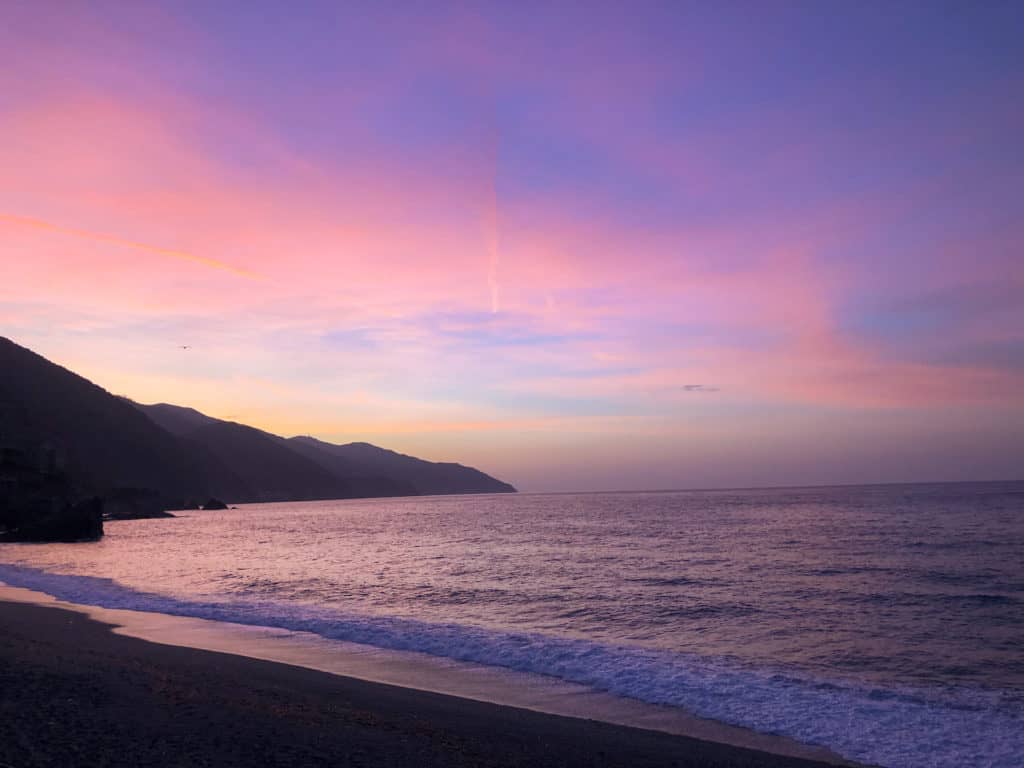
25 221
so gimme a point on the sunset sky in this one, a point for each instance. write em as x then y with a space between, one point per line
579 245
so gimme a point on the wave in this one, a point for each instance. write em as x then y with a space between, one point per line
898 728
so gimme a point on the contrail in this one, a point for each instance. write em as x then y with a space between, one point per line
491 234
103 238
489 221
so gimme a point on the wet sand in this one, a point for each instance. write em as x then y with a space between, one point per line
74 693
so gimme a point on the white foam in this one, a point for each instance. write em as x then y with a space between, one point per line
889 727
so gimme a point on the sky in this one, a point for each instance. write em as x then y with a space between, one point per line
578 245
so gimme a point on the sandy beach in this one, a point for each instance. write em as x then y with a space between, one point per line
74 693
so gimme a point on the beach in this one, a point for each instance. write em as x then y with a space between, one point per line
72 692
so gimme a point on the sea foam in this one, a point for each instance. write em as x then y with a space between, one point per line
898 728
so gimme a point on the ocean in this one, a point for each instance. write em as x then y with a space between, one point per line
883 622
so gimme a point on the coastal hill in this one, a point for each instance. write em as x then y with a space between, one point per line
271 467
106 444
426 476
100 441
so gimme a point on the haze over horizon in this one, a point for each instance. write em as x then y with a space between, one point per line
579 248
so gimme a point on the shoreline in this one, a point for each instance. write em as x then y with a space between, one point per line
51 652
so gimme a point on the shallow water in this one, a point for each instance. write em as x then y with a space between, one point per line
886 623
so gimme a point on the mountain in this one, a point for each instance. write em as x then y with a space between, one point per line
364 481
427 477
268 467
99 440
174 418
260 459
112 447
268 464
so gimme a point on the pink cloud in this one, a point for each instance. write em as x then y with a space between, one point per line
131 217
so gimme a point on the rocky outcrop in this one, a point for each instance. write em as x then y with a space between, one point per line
38 501
133 504
82 521
214 504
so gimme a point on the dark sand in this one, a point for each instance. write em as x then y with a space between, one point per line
72 693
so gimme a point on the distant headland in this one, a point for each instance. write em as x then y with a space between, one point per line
63 436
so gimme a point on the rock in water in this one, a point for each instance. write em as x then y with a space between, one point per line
212 503
133 504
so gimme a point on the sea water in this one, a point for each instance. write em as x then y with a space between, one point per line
883 622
